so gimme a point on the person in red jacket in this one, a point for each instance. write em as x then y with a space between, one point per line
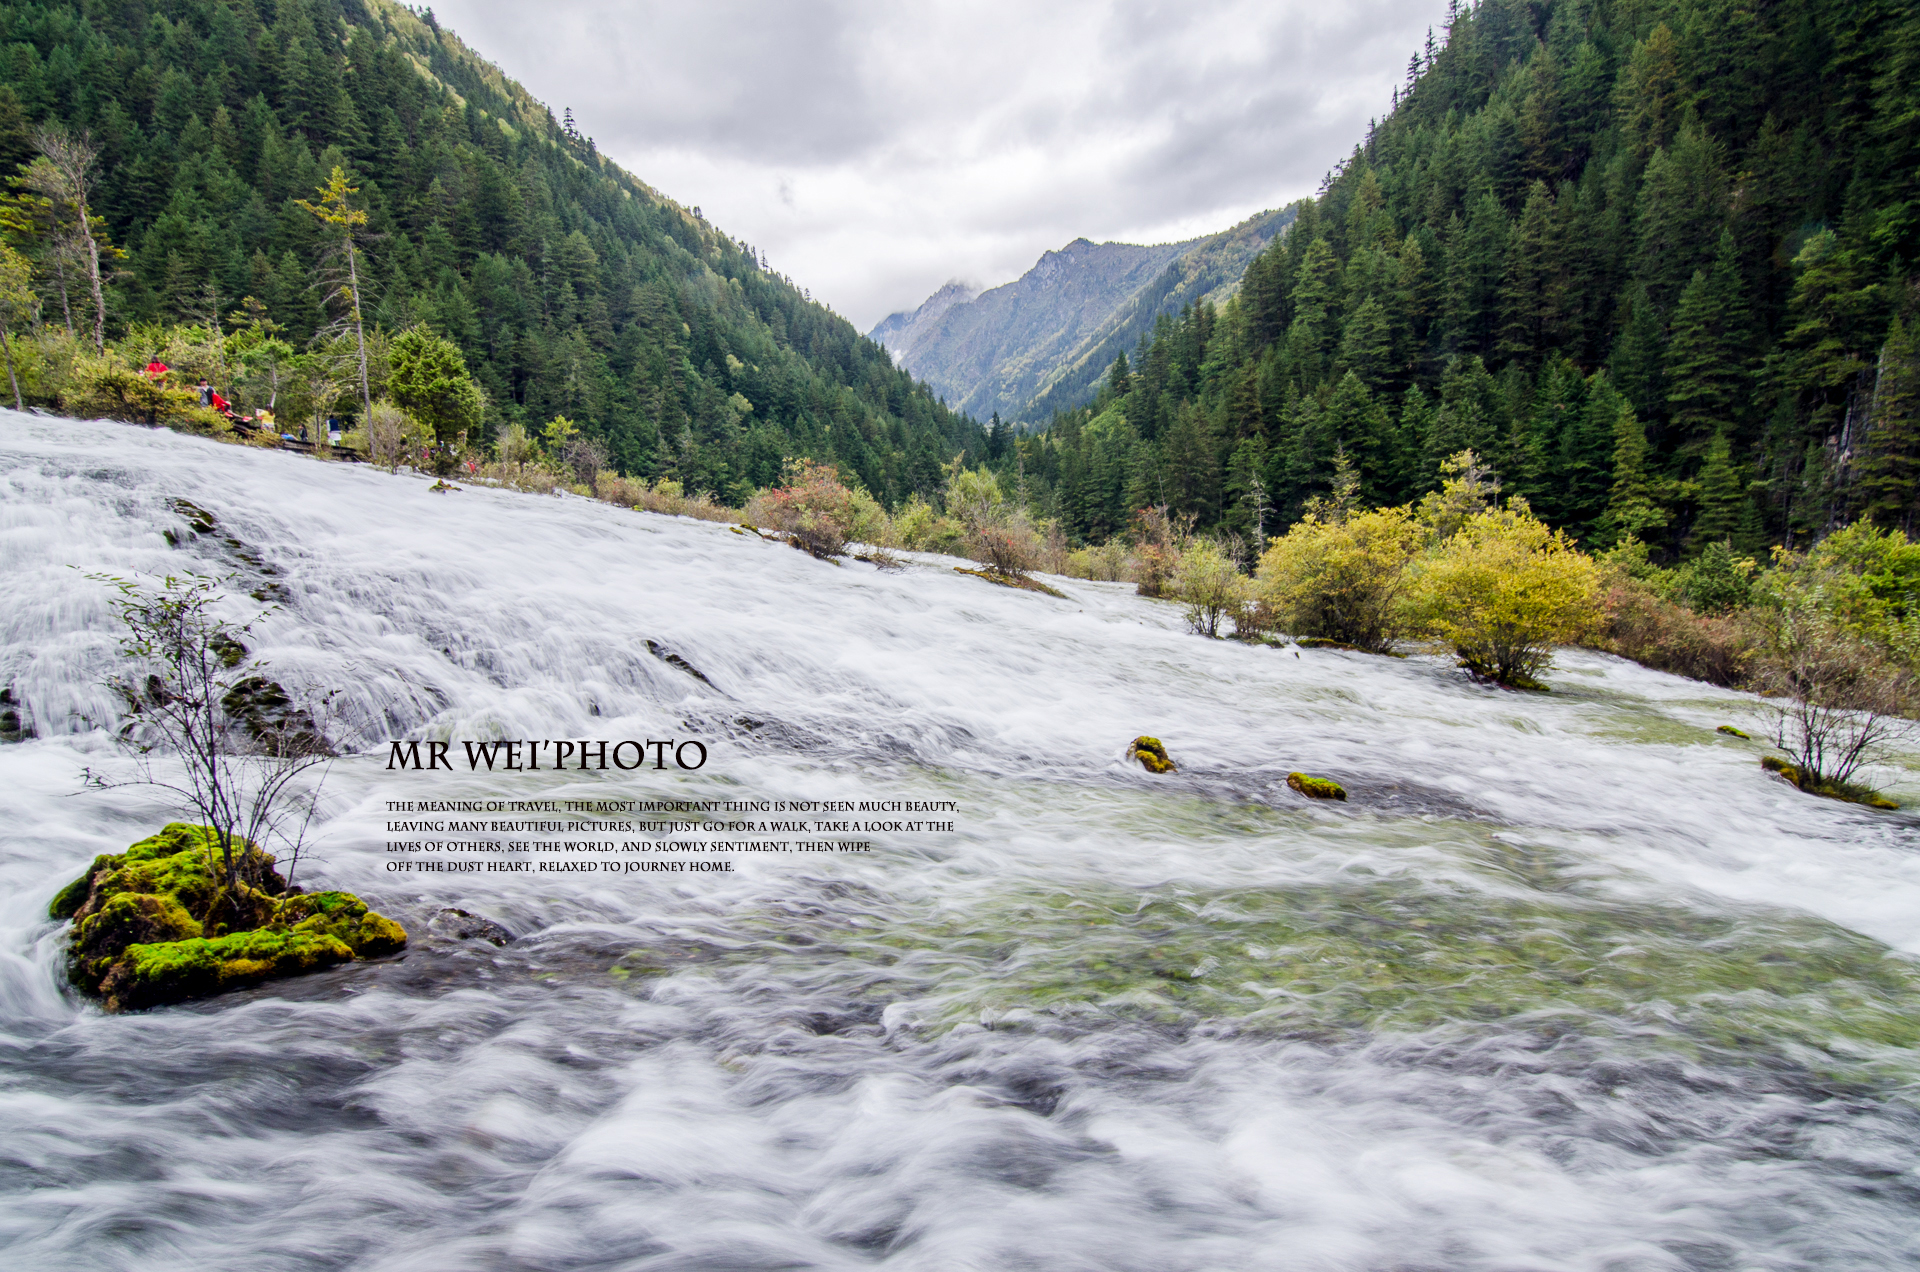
156 369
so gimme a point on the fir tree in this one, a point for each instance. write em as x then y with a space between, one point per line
1723 495
1635 360
1584 456
1704 372
1889 476
1631 510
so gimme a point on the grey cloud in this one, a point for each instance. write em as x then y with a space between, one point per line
774 82
876 150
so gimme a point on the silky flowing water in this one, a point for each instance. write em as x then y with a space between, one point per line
1568 983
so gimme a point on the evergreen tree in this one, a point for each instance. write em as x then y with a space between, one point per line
1584 457
1889 481
1367 347
1631 510
1635 360
1529 299
1723 495
1704 372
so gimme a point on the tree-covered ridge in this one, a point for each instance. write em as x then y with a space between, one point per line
1654 259
571 287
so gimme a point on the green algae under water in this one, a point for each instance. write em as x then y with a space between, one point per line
1447 928
1376 956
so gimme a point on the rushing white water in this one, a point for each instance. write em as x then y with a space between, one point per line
1569 983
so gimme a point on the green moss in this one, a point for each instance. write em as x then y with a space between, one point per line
1020 581
1316 787
1850 792
157 974
125 920
345 918
1732 732
74 895
1152 755
131 910
1392 955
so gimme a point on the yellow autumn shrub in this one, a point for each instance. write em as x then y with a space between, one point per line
1345 579
1504 589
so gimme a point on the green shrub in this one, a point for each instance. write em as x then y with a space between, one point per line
1210 586
1504 590
1344 581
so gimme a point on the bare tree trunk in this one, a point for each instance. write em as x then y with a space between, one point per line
93 276
60 272
72 156
359 331
12 379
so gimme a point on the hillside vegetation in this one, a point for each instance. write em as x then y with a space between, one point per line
1654 261
570 287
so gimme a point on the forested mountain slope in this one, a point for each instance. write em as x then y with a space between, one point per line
1655 260
1047 337
571 287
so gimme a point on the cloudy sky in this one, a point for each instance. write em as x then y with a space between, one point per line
874 149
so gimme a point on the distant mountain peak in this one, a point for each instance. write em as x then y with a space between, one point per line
1028 345
897 331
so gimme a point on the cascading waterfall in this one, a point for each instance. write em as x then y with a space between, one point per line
1569 983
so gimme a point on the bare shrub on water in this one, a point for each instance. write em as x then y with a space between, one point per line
1839 703
392 435
193 695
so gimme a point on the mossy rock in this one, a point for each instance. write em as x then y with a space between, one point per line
1316 787
1020 581
1732 732
176 971
159 924
344 917
1849 792
1152 755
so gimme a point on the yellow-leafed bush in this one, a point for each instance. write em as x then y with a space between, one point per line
1504 590
1344 581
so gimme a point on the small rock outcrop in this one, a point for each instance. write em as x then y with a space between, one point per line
1848 791
1316 787
159 924
463 926
1732 732
1152 755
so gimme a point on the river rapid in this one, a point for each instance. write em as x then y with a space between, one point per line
1569 982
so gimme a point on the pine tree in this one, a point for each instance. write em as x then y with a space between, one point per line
1635 361
1361 428
1472 415
1529 301
335 212
1723 495
1889 478
1316 320
1415 433
1192 466
1539 473
1367 347
1584 456
1705 375
1250 506
1631 510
